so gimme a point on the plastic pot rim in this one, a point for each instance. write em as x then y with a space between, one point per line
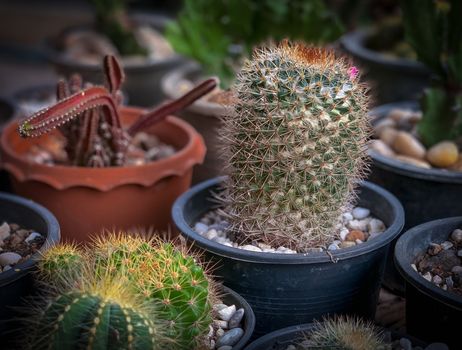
353 42
249 317
403 263
53 236
409 170
286 259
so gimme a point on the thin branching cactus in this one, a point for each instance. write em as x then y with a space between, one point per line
89 118
295 146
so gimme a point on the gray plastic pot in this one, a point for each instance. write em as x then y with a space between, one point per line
426 194
392 79
17 283
432 313
288 289
203 115
142 80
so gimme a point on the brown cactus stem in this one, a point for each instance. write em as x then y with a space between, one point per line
68 108
88 133
158 114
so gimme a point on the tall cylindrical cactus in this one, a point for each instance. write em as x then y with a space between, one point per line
296 145
98 314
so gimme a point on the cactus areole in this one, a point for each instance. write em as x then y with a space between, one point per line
295 146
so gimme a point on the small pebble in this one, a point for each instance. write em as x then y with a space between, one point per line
428 276
456 269
226 313
437 279
443 154
449 282
355 235
333 246
413 161
347 244
32 236
456 235
388 135
220 332
360 213
251 248
360 225
459 253
446 245
231 337
376 226
406 144
381 148
218 307
211 234
4 231
434 249
405 344
9 258
200 228
220 324
6 268
347 217
414 267
344 233
236 319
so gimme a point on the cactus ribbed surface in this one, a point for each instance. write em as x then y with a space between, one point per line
296 146
61 263
100 314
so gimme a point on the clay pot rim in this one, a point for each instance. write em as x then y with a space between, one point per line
192 153
409 170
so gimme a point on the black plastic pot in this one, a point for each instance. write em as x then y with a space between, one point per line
426 194
8 111
230 297
142 80
286 289
203 115
432 313
393 79
282 338
17 283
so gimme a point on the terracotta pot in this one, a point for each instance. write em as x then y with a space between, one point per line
87 200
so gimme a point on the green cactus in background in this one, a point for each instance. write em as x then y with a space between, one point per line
184 292
434 30
61 263
100 313
165 274
296 146
344 333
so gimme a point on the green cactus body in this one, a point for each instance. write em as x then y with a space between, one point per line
182 288
165 274
296 146
344 333
99 314
61 263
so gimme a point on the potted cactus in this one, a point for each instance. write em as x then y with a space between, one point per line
343 333
92 176
417 154
136 39
150 293
296 151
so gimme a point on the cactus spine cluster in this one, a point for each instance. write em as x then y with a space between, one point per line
161 273
295 146
344 333
98 313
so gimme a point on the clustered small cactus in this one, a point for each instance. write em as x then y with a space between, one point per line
295 146
433 30
343 333
97 291
88 117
